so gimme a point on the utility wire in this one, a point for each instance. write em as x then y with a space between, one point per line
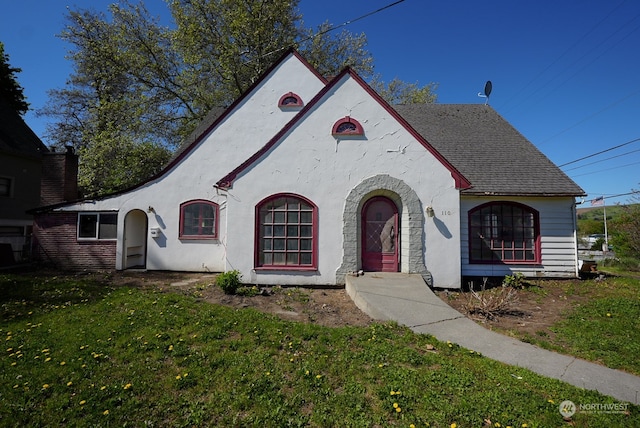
600 152
335 27
602 160
607 169
564 53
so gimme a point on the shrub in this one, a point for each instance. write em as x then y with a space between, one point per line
229 281
515 281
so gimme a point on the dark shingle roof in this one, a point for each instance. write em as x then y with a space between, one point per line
487 150
15 135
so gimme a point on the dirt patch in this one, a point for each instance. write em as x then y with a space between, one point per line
536 307
539 304
331 307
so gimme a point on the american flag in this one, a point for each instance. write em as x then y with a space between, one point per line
597 201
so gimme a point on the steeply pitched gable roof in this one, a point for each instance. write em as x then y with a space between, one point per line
15 135
460 180
487 150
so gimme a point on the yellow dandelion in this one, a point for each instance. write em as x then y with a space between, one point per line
178 377
318 376
551 401
103 388
412 426
525 425
69 383
83 402
395 405
392 392
497 425
45 386
62 363
398 409
46 360
306 372
14 363
127 386
106 412
170 347
454 425
45 350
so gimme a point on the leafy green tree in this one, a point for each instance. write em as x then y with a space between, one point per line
625 231
139 88
10 90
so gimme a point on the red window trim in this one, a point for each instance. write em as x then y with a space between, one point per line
314 237
216 209
297 104
359 130
537 253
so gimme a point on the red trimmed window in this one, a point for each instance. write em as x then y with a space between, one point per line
504 232
347 126
290 100
198 220
286 233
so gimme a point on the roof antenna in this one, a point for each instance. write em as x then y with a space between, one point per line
487 91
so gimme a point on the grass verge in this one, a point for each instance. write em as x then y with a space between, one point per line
81 353
604 329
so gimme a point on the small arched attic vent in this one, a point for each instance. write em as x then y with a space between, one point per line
290 100
347 126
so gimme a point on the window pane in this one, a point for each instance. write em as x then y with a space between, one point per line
268 231
108 226
278 217
278 244
305 244
305 258
5 186
278 258
305 231
293 205
278 230
292 258
293 217
267 244
292 244
305 217
88 227
266 216
267 258
293 231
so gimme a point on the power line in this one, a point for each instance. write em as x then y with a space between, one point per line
600 152
602 160
335 27
606 169
564 53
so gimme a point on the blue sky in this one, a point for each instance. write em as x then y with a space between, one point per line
566 74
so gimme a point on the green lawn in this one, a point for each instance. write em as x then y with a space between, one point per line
604 329
79 352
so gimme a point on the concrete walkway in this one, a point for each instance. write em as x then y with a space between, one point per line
408 300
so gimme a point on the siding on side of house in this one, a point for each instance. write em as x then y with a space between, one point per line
59 231
557 239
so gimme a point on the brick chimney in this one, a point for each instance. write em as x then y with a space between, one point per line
59 177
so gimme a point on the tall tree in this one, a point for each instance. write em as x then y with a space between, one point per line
625 231
10 90
140 87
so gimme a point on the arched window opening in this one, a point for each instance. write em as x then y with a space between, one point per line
504 232
199 220
286 233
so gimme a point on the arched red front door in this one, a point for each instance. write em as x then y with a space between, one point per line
380 235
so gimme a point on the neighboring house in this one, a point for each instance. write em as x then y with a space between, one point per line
303 181
21 153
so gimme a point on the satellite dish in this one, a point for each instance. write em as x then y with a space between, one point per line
487 88
487 91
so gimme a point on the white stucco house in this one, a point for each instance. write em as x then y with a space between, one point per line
302 181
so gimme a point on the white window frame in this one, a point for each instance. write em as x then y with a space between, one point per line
96 236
